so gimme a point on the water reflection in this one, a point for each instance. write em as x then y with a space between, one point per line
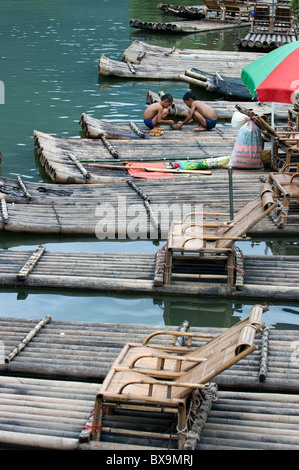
136 309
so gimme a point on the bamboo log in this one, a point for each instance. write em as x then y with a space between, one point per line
23 439
193 81
79 166
264 356
31 263
137 130
27 339
4 212
24 189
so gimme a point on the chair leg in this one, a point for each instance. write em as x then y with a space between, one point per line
181 426
168 266
285 209
97 419
230 269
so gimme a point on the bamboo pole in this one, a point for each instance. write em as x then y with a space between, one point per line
26 340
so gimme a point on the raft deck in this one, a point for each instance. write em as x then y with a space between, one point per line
187 26
144 61
77 209
255 396
59 209
269 277
69 160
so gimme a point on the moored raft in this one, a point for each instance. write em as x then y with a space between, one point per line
187 26
263 41
69 160
144 61
44 414
86 351
77 209
256 412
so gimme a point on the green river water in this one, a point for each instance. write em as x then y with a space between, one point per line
49 53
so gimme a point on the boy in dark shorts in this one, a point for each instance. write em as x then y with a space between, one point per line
156 113
201 113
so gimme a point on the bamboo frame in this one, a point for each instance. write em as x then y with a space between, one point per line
148 393
218 242
286 190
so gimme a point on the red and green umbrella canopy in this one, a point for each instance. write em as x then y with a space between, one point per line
275 76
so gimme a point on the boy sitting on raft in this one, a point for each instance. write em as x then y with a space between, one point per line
201 113
156 113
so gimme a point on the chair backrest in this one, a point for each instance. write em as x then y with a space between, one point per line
225 235
261 11
223 351
232 5
283 13
212 5
248 216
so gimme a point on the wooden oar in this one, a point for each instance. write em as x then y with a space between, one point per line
164 170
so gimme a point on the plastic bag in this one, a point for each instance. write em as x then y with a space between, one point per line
238 119
218 162
247 152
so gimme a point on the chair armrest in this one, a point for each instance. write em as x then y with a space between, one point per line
178 333
171 358
168 384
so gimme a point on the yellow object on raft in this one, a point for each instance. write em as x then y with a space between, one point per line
156 131
218 162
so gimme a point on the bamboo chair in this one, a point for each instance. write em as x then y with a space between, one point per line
283 20
156 379
213 6
286 187
209 244
284 138
261 18
235 9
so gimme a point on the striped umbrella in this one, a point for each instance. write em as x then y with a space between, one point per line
275 76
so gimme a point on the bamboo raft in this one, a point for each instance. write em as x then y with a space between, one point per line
263 41
144 61
187 26
44 414
270 277
230 421
78 209
68 160
57 414
86 350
